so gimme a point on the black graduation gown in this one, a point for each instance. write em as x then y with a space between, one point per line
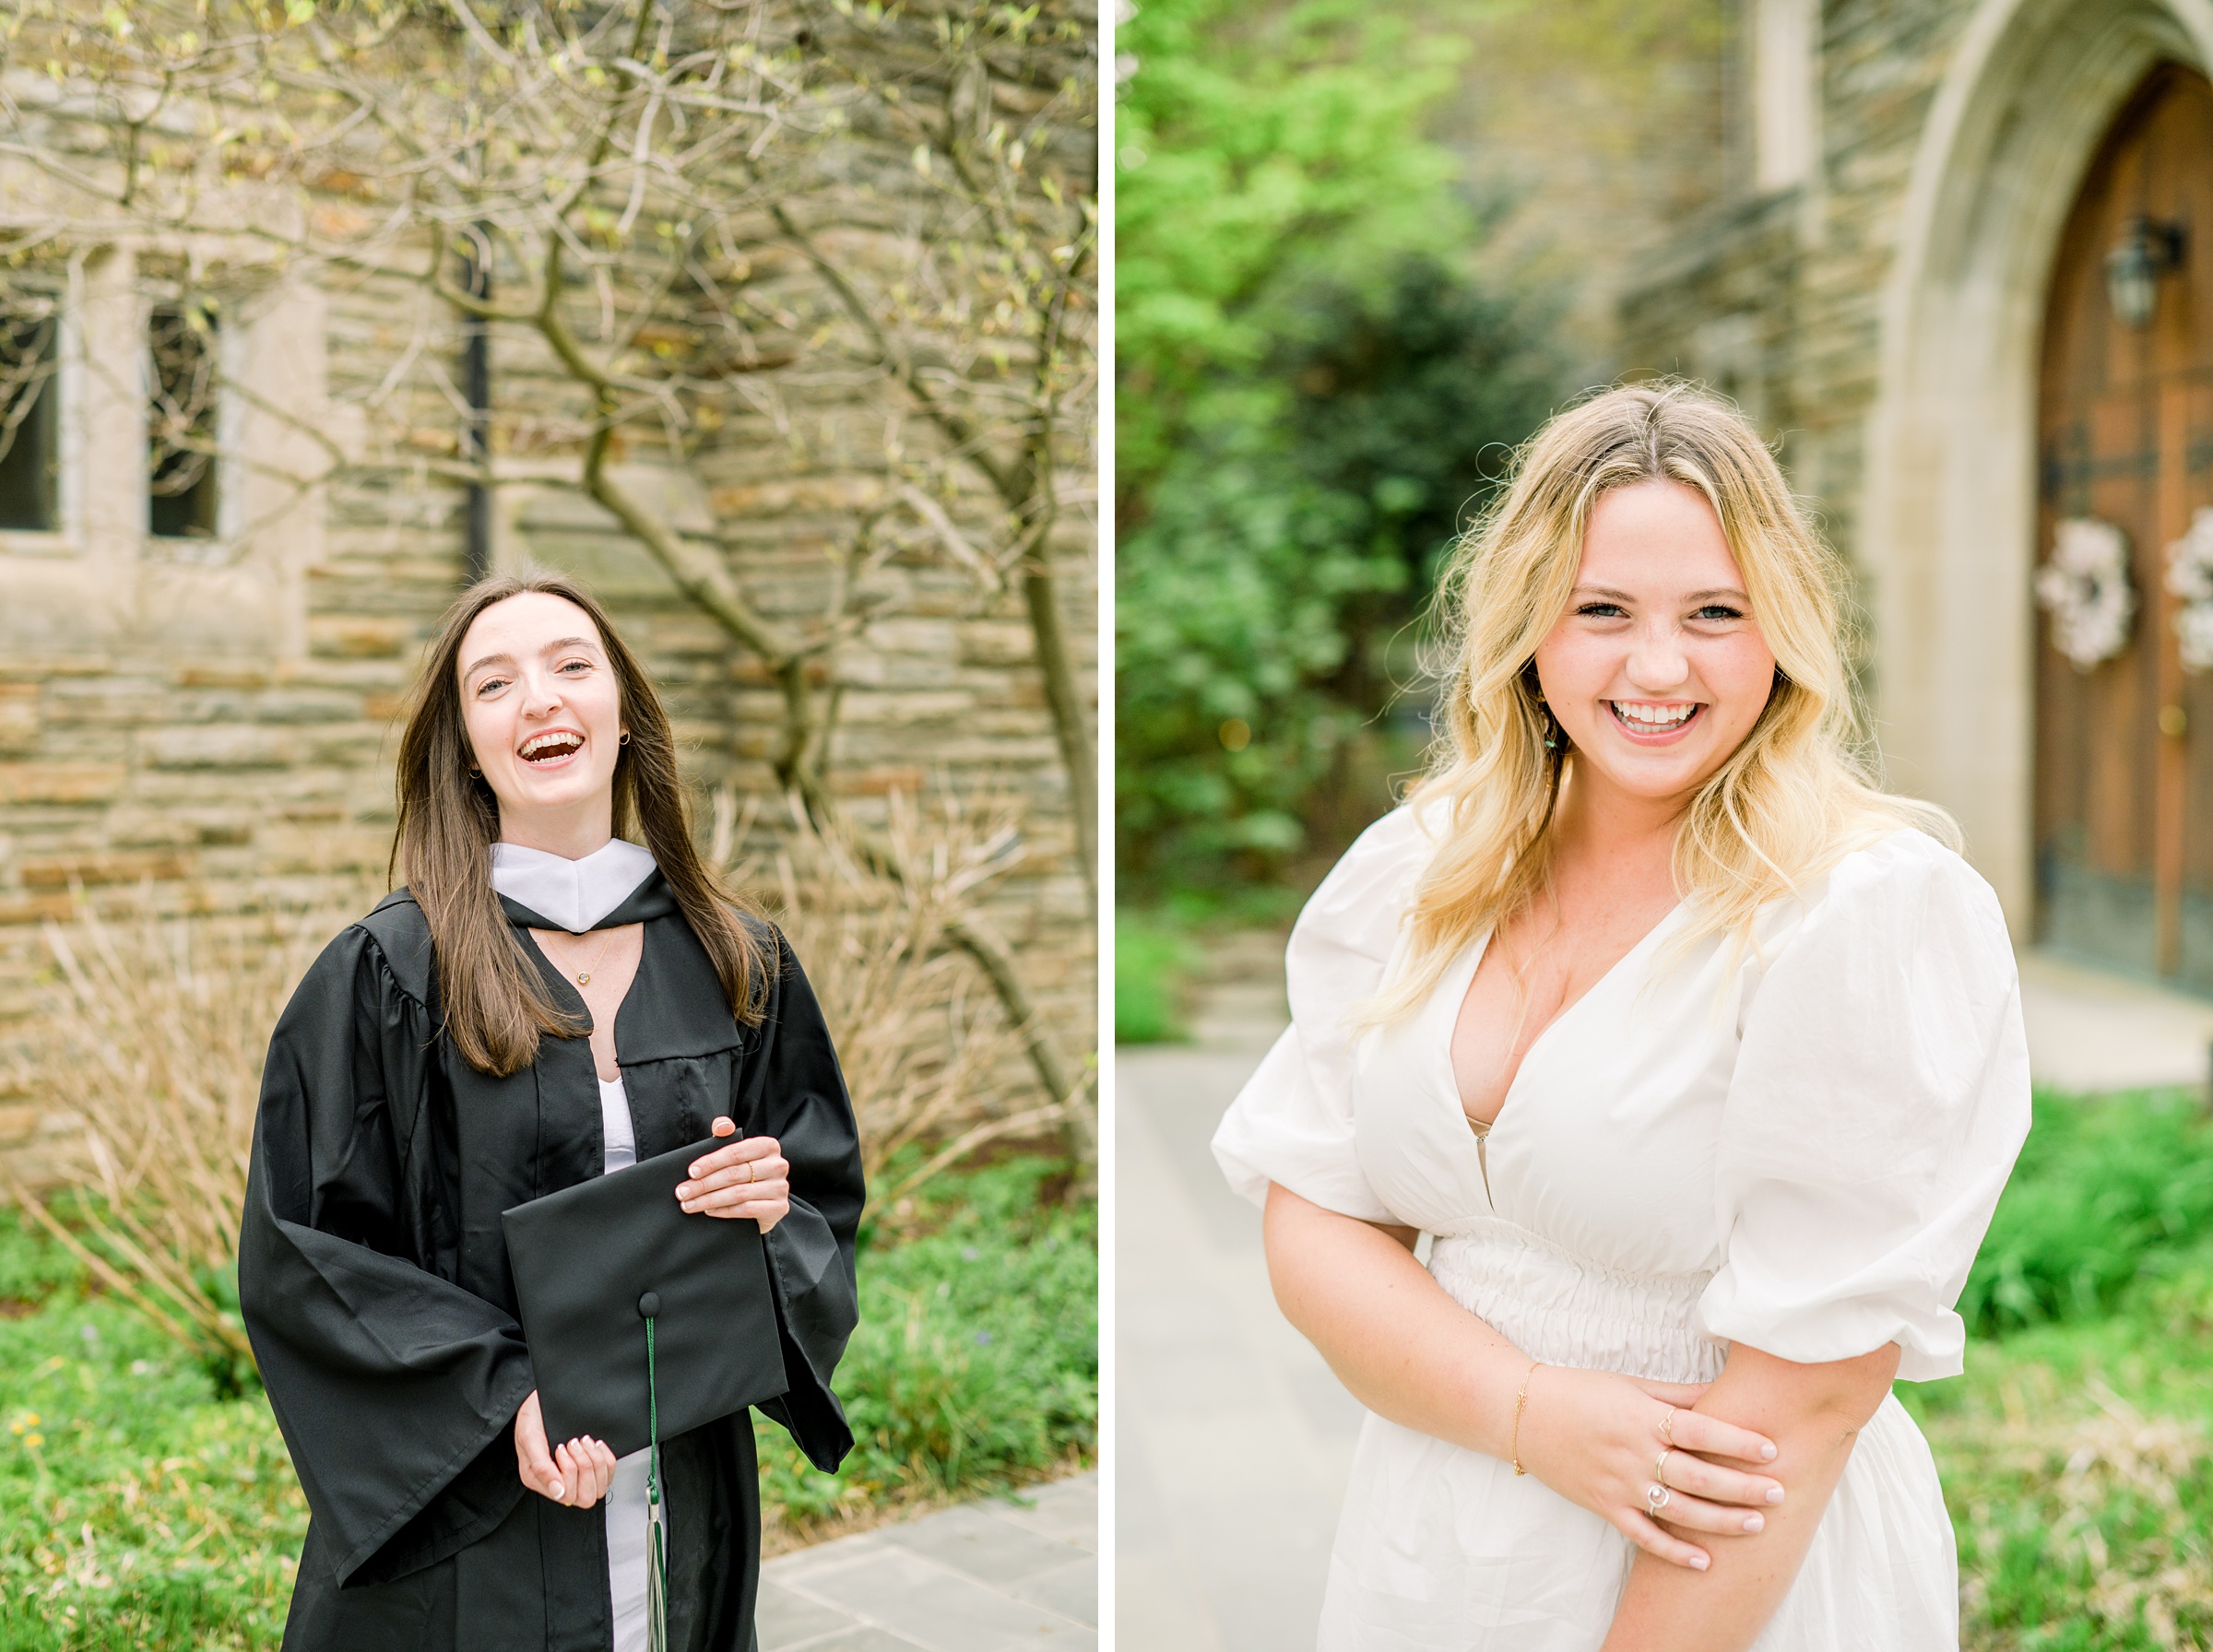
373 1279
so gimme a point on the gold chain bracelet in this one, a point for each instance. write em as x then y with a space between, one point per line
1513 1446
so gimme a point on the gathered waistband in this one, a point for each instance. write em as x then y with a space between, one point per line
1566 1311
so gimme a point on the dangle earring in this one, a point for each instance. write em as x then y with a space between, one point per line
1554 736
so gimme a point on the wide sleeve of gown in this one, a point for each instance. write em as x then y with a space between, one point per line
388 1381
1879 1097
794 1092
1292 1124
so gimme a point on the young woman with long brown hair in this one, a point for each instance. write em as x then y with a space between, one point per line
1698 1058
545 1001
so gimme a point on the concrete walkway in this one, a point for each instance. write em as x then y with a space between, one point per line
2094 1031
1234 1439
1015 1573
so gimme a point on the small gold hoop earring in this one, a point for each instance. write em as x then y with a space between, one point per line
623 739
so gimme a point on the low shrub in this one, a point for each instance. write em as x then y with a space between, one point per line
976 1361
2106 1190
2076 1457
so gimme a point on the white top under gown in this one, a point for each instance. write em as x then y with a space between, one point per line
1797 1144
626 1496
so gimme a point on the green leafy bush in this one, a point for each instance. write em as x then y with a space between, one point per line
2078 1467
2107 1191
976 1362
1267 600
1255 141
1313 389
2077 1453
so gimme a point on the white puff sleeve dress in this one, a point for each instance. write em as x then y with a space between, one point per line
1796 1145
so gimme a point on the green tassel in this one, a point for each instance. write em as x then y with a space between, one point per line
657 1566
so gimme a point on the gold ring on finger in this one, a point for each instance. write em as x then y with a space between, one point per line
1659 1463
1668 1423
752 1171
1655 1498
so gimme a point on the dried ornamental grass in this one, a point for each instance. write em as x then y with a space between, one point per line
154 1029
935 1071
153 1033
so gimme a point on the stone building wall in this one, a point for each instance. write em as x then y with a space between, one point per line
224 734
1773 298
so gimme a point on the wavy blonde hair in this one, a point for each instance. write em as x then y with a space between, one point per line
1791 799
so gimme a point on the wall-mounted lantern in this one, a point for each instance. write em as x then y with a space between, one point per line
2146 251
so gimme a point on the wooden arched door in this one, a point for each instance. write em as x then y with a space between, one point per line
2125 747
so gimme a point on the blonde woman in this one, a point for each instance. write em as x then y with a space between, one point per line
1701 1059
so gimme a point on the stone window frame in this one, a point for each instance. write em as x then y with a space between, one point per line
269 530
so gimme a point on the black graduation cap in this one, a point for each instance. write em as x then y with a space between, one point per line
644 1322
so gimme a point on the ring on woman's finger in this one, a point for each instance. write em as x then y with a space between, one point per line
750 1172
1666 1423
1660 1463
1655 1498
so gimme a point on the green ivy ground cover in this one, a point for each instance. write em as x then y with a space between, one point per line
142 1509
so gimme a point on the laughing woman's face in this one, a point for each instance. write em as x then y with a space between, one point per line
544 716
1658 670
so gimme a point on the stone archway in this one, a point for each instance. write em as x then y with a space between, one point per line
1947 535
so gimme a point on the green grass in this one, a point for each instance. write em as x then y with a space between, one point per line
138 1508
141 1509
2079 1472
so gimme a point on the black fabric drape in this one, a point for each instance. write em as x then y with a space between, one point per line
374 1282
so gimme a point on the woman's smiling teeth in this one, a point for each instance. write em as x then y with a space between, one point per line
1644 717
556 745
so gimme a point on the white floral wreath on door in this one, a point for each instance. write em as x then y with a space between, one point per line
2085 587
2190 577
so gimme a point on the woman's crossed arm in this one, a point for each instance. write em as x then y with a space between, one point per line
1411 1353
1813 1413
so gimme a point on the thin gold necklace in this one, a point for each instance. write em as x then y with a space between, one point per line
583 976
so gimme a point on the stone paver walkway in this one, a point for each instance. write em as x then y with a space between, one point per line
1014 1572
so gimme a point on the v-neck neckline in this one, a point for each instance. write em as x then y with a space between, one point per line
567 984
1463 977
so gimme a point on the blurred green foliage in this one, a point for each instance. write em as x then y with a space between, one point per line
2077 1453
1252 139
1312 393
2106 1193
1152 962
